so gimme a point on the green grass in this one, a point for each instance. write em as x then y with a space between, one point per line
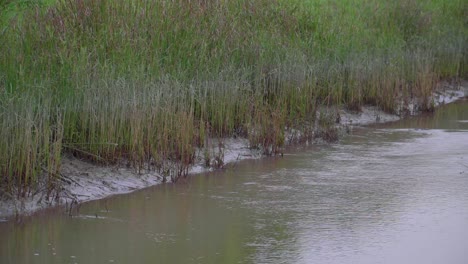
148 81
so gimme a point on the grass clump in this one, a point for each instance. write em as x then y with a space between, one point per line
148 81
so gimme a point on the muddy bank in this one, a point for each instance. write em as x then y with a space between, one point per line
82 181
445 93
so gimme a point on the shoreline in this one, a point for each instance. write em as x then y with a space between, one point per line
84 181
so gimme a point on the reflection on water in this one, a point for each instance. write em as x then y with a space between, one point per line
394 193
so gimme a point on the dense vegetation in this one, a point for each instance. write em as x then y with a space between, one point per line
147 81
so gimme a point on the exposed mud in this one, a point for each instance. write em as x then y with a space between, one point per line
445 93
84 181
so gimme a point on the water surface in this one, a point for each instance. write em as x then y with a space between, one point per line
393 193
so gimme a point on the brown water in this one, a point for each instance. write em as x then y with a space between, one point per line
394 193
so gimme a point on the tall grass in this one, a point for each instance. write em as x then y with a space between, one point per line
147 82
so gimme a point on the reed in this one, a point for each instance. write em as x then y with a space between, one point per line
147 82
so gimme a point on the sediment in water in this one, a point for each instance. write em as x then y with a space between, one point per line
84 181
145 85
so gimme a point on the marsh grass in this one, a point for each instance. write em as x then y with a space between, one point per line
147 82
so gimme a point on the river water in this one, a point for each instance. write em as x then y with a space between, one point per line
393 193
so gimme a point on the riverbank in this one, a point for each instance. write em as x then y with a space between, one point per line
392 192
445 93
84 181
148 85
